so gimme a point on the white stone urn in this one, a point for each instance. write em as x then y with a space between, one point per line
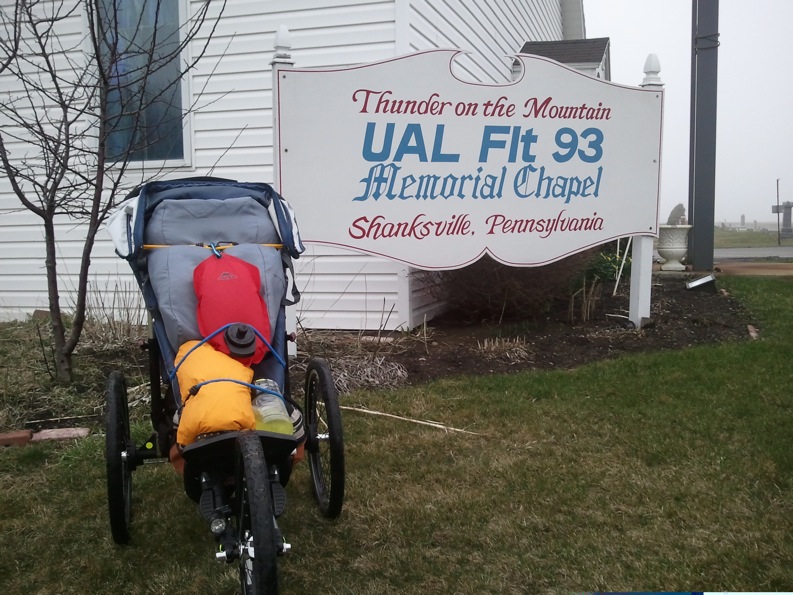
673 246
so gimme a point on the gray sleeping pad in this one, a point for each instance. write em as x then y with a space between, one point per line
179 225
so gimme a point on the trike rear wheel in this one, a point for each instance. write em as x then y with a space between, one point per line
255 518
119 454
324 441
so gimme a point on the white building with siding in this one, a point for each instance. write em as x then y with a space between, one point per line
231 135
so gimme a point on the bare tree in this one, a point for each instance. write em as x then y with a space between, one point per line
9 39
80 108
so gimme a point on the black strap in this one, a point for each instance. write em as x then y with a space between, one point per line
287 260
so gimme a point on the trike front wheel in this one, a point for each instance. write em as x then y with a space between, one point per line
255 518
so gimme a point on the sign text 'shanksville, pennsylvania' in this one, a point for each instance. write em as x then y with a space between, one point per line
403 159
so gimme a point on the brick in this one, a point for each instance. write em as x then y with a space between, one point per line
60 434
16 438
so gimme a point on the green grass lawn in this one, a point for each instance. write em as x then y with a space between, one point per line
671 471
732 238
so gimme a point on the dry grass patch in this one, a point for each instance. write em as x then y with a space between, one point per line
358 360
512 349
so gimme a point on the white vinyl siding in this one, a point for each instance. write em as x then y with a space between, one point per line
231 136
23 286
490 31
352 290
232 133
233 124
342 289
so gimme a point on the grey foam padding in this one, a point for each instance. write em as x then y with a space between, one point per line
190 221
180 224
171 274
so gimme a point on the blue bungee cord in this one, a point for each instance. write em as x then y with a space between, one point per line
276 355
194 389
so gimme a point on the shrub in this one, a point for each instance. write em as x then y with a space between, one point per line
490 291
605 265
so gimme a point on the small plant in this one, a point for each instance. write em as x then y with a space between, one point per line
115 317
610 264
421 334
584 300
513 349
607 264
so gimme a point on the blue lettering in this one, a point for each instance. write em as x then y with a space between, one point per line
371 155
516 139
489 143
438 156
379 182
412 143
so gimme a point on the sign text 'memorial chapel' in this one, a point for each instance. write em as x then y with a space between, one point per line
407 161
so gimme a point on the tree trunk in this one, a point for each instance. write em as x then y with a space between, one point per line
63 356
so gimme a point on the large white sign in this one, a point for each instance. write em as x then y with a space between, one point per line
403 159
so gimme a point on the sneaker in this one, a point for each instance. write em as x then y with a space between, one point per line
297 424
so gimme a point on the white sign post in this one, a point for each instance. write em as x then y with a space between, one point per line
405 160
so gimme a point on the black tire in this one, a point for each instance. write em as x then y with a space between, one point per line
324 438
118 444
255 519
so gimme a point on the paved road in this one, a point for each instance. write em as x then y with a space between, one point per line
751 261
720 254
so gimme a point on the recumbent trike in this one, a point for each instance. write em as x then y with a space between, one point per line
212 258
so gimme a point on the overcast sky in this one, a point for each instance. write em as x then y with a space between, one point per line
755 120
